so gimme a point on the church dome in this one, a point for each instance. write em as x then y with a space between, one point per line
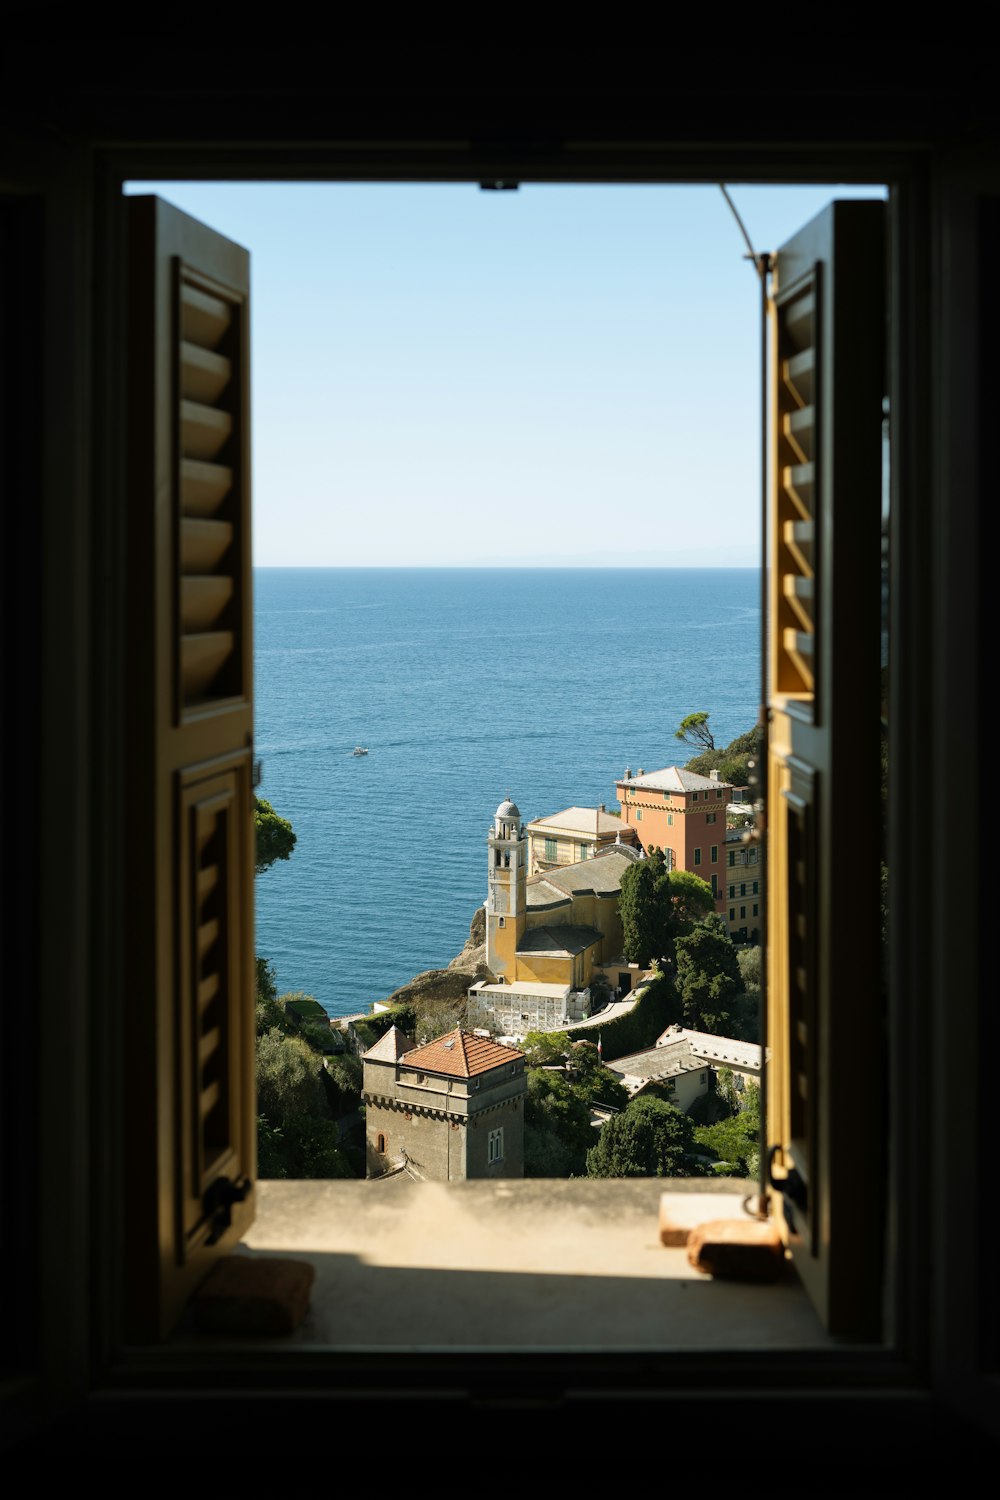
508 810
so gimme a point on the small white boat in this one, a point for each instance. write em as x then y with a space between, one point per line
360 750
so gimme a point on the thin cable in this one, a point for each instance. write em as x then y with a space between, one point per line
763 265
758 260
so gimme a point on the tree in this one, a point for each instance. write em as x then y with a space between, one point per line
296 1136
749 962
591 1080
735 1142
694 730
275 836
637 904
544 1048
648 1139
657 906
288 1082
708 975
557 1128
735 762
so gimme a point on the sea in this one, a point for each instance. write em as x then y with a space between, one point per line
466 686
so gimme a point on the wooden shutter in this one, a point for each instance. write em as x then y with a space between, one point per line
189 1135
827 1111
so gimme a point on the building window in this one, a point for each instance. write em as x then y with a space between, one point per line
732 892
694 796
754 912
756 887
711 817
715 885
503 921
638 815
584 851
743 887
715 854
380 1144
495 1146
732 856
719 793
743 912
732 914
551 850
701 1077
697 856
670 819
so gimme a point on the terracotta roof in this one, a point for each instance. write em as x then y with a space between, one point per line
390 1047
459 1054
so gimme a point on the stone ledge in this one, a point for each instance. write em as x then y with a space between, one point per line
517 1264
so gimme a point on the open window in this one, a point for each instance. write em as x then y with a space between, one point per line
190 1049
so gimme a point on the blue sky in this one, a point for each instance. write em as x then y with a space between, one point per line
559 376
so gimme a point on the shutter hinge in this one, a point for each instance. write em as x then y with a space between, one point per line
793 1188
218 1204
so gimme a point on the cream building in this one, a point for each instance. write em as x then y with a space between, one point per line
573 835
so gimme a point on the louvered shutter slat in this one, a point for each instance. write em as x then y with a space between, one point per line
823 645
191 1031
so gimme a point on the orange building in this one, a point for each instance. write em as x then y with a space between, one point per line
684 815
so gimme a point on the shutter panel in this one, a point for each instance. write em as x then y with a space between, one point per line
827 1111
191 1122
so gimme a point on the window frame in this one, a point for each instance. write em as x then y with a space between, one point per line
904 1362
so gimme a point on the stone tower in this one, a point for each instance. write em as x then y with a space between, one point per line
506 897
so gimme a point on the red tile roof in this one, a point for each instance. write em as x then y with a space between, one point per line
460 1054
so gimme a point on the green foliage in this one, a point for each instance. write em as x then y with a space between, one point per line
591 1080
542 1048
271 1156
708 976
296 1136
648 1139
749 961
735 1142
343 1079
403 1015
694 730
275 836
271 1017
267 979
288 1083
657 905
656 1008
640 913
600 991
557 1128
733 762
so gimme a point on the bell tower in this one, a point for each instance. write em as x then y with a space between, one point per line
506 898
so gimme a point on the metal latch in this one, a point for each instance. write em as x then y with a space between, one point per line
218 1204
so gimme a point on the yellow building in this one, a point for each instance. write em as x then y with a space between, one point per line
547 934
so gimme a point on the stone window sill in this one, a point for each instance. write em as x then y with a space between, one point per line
517 1264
